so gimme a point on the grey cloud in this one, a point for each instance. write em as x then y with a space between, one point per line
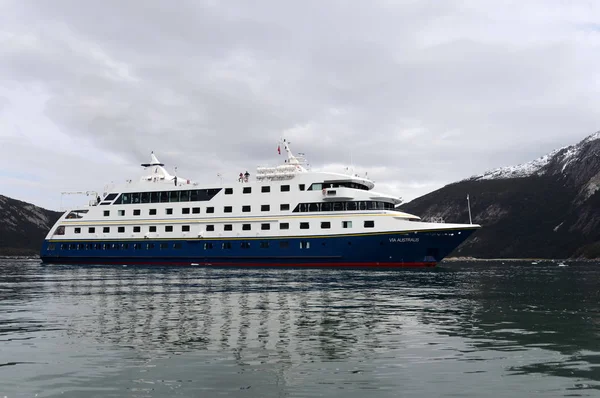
420 91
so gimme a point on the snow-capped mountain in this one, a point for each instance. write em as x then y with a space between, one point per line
548 207
563 156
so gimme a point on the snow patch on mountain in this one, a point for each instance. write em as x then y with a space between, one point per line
563 156
533 167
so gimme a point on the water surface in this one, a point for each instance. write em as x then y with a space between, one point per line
487 329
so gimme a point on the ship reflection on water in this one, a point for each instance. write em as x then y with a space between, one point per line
455 329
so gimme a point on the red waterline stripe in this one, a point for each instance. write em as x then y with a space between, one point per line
243 265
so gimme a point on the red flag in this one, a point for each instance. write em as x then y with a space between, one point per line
278 149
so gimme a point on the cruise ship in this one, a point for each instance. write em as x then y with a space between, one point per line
286 215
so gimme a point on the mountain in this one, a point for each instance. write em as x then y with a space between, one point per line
546 208
23 226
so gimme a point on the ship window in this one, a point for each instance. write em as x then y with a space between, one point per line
265 207
326 206
265 227
174 196
304 245
284 206
227 209
228 227
51 246
60 230
169 211
168 228
77 230
304 225
135 198
154 197
246 208
315 187
208 246
185 210
226 245
228 191
314 206
111 196
245 245
137 229
137 246
164 246
106 213
121 213
350 206
194 195
245 227
137 212
75 214
265 189
149 246
145 197
210 227
184 196
164 197
152 212
285 188
284 225
106 230
284 244
325 225
247 190
121 230
264 245
126 198
301 187
210 209
346 224
338 206
152 228
369 224
91 230
185 228
176 245
195 210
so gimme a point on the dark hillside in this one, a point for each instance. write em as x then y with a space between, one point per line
23 226
548 208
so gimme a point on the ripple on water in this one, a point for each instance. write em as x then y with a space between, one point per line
462 330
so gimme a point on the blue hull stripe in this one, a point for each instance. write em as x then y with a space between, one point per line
386 249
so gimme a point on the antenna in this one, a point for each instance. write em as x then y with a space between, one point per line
220 177
469 207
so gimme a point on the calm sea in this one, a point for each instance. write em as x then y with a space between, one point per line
473 329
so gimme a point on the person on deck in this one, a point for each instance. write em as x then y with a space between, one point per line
246 176
241 179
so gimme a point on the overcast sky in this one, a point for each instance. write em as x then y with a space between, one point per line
416 93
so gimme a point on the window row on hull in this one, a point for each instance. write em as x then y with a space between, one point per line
190 195
343 206
210 227
284 244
